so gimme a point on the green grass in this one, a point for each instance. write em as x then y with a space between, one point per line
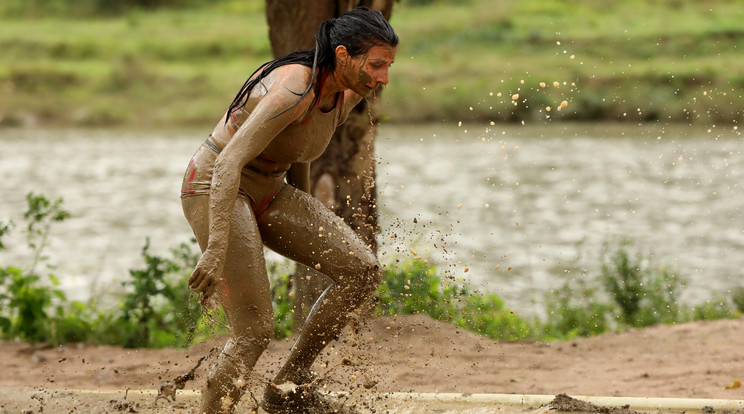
679 63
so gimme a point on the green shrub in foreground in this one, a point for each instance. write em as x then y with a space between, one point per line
159 309
573 310
414 287
715 308
645 295
29 309
737 296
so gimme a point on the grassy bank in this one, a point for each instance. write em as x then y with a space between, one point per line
665 61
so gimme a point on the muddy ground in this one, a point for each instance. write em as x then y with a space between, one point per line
404 354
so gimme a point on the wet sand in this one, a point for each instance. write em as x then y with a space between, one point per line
702 360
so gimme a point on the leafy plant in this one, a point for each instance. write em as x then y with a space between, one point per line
573 310
414 287
645 296
283 301
712 309
159 309
29 309
737 297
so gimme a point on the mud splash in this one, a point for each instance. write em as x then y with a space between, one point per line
563 402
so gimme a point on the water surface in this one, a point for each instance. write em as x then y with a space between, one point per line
510 209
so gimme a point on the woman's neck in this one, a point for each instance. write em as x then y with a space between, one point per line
329 88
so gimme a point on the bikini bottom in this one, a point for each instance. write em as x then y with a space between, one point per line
256 187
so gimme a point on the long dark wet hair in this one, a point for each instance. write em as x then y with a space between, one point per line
358 30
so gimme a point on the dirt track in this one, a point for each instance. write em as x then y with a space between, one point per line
408 354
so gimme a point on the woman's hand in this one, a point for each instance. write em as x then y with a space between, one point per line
207 274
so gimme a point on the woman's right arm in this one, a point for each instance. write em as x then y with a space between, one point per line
249 142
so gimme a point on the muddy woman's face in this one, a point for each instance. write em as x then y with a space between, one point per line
366 72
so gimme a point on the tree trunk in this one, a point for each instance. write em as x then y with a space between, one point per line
344 177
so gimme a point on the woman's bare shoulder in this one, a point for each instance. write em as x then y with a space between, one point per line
294 78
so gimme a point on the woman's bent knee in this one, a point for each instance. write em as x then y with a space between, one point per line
374 275
366 280
251 337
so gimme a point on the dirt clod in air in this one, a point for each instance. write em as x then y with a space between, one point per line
167 390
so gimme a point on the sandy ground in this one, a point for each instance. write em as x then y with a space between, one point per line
404 354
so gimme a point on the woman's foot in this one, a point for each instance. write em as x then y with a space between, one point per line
290 398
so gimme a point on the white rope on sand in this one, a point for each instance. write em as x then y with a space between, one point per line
520 400
638 403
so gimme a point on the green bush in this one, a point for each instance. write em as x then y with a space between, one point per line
31 307
413 286
159 309
645 296
573 310
715 308
283 301
737 296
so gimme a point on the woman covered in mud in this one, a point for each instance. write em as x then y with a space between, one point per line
247 187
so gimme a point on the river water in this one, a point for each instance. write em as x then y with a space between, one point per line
511 210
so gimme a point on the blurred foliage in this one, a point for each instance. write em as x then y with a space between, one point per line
181 61
738 298
159 309
29 309
282 300
574 310
90 8
414 286
644 295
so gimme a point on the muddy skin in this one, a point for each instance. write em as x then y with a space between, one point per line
360 75
235 198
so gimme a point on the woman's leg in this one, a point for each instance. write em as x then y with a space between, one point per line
245 297
299 227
